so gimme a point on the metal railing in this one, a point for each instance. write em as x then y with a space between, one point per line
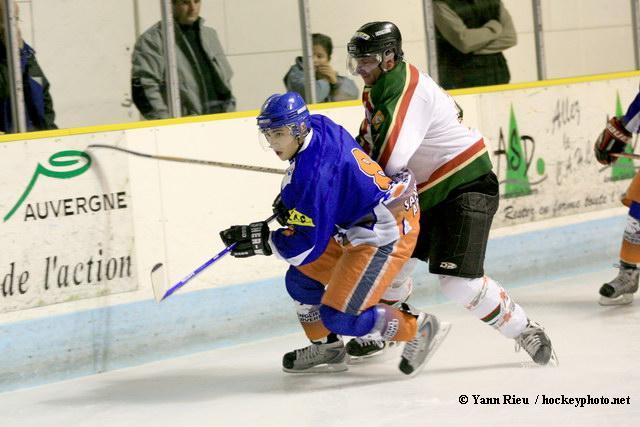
16 89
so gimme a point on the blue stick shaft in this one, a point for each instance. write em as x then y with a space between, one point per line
204 266
198 271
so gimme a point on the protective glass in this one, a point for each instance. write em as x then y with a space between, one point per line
276 139
365 63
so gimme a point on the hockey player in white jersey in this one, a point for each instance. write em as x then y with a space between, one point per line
411 122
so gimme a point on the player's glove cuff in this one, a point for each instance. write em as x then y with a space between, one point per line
260 238
612 140
281 211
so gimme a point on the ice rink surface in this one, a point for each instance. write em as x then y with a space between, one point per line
598 349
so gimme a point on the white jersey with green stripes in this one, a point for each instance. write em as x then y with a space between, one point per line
412 122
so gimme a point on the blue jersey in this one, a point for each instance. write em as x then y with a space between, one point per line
333 188
632 118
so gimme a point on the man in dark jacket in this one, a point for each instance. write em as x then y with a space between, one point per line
204 73
38 103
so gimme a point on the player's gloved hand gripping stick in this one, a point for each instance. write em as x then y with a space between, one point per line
242 241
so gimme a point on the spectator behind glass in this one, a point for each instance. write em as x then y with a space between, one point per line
38 103
204 73
471 35
330 86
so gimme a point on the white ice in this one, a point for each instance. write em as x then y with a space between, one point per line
598 349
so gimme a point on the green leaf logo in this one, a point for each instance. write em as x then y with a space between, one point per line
517 183
60 159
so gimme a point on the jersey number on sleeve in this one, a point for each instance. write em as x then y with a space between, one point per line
372 169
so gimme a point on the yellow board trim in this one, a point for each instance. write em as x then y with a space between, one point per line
545 83
329 105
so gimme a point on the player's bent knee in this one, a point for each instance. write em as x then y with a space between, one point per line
340 323
302 288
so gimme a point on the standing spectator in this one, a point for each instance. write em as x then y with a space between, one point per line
330 86
38 103
470 39
203 70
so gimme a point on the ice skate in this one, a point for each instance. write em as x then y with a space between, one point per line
362 348
421 348
316 358
620 290
537 344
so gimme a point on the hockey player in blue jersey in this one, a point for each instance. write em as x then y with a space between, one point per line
613 140
349 229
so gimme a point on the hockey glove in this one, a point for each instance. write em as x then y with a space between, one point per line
281 211
252 239
613 139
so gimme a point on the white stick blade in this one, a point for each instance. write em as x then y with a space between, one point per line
159 281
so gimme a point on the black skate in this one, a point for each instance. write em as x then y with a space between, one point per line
362 348
620 290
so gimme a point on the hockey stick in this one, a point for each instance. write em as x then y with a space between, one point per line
158 274
627 155
194 161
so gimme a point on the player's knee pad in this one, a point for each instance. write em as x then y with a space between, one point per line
480 296
402 286
302 288
347 324
461 289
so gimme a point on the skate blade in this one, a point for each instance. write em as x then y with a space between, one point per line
320 369
445 327
620 300
552 363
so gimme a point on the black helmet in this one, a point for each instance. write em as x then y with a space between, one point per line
376 37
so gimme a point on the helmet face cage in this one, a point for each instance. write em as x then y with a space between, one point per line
366 63
374 38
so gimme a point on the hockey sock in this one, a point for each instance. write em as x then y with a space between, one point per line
309 317
488 301
630 250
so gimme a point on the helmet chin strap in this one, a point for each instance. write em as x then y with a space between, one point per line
300 140
384 70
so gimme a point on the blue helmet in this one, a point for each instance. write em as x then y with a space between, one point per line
288 109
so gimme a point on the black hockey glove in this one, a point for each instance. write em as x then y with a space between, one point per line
281 211
252 239
613 139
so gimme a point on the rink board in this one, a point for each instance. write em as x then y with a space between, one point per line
54 323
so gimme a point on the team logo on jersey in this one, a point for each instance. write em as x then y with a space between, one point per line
297 218
377 120
448 265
